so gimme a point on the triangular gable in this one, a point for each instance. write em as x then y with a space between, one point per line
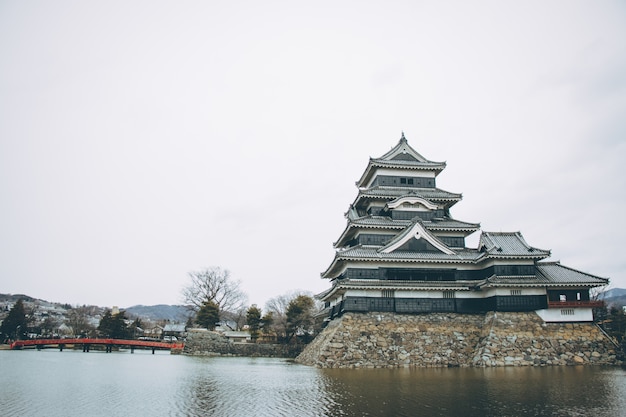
415 231
403 151
401 156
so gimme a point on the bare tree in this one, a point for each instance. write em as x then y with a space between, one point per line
237 316
214 285
78 320
277 306
49 326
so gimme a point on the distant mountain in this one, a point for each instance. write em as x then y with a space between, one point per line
614 292
173 313
12 298
614 297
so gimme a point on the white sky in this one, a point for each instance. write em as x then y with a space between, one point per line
141 140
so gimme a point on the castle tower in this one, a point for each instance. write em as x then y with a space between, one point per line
402 251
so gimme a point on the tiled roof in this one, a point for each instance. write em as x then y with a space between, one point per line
371 222
395 226
408 164
557 274
435 224
549 274
404 153
371 253
401 156
432 194
450 224
514 281
381 221
509 244
375 284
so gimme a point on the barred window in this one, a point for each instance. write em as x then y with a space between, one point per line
448 294
516 292
388 294
567 312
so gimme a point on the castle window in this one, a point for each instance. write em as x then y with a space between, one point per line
567 312
388 294
516 292
402 180
448 294
410 181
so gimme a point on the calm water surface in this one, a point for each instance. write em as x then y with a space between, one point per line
70 383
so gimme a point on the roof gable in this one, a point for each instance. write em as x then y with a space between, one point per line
402 152
415 231
402 156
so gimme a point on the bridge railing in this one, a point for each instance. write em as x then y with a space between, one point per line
94 341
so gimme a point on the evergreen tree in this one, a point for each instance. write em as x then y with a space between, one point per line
113 325
14 326
253 318
613 321
208 315
267 321
299 316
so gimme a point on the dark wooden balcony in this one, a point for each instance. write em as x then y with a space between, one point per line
574 304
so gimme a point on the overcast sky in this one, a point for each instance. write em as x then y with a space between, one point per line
141 140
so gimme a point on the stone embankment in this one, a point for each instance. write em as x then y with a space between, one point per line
207 343
383 340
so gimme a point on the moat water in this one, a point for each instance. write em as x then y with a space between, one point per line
71 383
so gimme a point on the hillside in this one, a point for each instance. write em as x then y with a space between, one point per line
615 297
172 313
160 312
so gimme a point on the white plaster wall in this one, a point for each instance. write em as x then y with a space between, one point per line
404 173
553 315
507 291
419 294
364 293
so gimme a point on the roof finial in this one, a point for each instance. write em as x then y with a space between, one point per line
403 138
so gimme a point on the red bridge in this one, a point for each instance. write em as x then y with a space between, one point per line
86 343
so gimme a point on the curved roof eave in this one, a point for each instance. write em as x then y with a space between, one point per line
401 148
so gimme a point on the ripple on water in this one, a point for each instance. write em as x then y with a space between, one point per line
68 383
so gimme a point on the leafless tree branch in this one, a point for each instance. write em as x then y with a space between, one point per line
214 284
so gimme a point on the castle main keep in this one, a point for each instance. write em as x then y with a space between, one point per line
402 258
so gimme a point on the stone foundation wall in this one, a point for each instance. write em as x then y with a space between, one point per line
379 340
206 343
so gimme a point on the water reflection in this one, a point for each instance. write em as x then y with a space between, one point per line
80 384
271 387
551 391
256 386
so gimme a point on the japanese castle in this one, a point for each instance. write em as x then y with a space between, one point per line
403 252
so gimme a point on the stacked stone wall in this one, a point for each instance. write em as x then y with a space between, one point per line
524 339
379 340
207 343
